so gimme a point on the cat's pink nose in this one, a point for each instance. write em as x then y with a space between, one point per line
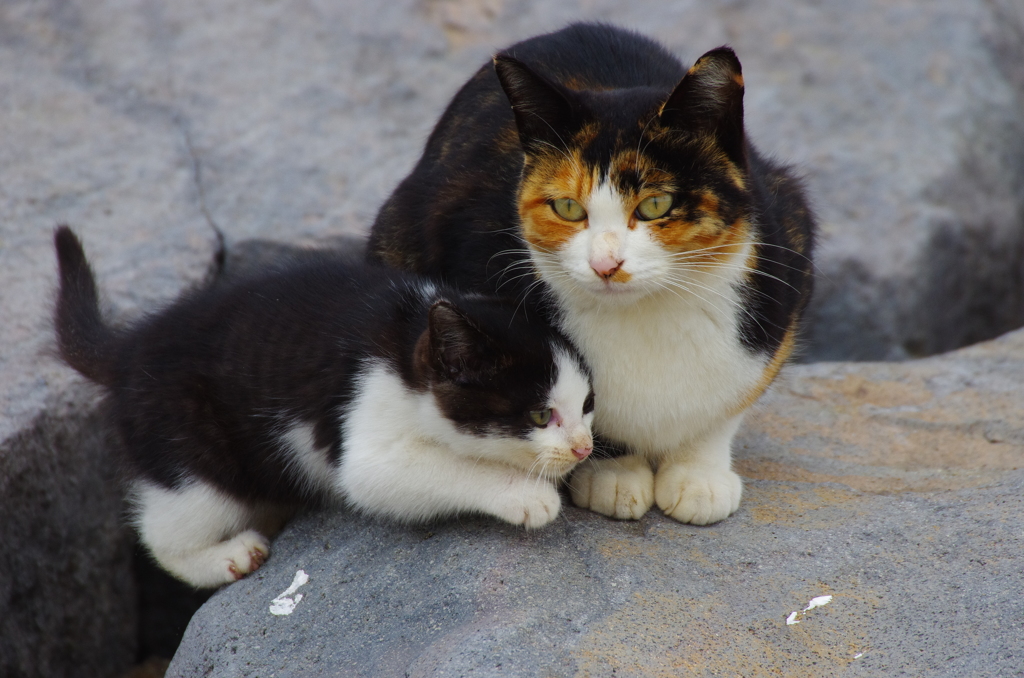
582 452
605 267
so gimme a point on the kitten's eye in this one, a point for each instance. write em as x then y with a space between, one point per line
588 404
569 209
540 417
654 207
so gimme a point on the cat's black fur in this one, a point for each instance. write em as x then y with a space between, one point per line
198 390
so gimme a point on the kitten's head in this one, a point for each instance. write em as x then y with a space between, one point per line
627 192
518 389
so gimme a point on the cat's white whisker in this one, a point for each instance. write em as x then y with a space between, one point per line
708 270
551 145
678 286
705 253
739 306
521 270
650 140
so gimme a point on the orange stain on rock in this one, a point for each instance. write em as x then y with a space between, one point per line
660 634
887 421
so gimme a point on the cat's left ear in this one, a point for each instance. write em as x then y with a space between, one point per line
459 350
542 111
709 99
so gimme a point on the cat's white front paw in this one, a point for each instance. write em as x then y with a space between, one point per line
244 553
532 503
620 488
696 495
218 564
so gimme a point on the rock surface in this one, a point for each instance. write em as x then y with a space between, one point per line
156 129
67 597
896 489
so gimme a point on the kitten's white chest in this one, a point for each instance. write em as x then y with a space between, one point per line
667 370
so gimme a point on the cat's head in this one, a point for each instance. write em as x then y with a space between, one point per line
517 389
629 192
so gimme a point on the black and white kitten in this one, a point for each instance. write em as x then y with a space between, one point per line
325 380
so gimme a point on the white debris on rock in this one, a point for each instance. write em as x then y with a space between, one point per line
285 604
795 616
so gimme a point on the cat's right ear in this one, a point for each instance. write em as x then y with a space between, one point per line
458 349
542 111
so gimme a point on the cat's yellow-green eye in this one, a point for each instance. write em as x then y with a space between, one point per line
569 209
654 207
540 417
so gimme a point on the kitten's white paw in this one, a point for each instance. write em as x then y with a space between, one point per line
532 503
243 554
697 495
620 488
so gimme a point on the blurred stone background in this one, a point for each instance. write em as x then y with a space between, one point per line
159 130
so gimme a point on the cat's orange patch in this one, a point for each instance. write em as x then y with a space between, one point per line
782 354
708 203
795 229
739 179
587 134
652 178
708 241
621 276
547 179
579 84
707 148
543 229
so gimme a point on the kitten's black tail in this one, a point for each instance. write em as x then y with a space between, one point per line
85 341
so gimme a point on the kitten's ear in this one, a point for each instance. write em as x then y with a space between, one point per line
542 111
709 99
459 350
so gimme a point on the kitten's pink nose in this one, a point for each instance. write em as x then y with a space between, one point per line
605 267
582 452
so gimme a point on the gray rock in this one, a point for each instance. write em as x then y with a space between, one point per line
897 489
124 178
152 127
65 569
908 119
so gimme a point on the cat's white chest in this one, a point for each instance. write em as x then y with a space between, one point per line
667 370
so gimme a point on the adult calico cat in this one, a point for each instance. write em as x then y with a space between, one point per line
616 192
